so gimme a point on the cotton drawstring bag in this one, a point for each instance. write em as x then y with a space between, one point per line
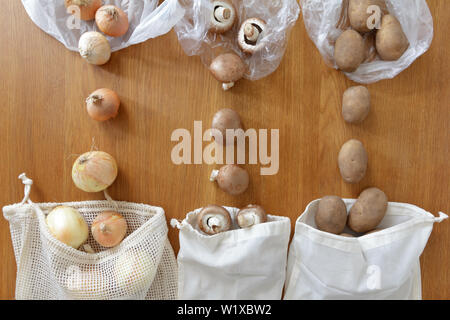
142 266
240 264
382 265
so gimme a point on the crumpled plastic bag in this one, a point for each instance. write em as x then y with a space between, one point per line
280 16
325 20
147 20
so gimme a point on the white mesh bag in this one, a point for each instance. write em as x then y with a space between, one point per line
147 20
383 265
142 266
325 20
240 264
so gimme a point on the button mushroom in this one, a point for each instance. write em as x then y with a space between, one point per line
251 215
223 120
232 179
250 34
214 219
223 16
228 68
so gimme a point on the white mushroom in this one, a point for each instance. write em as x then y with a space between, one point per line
250 35
251 215
214 219
223 16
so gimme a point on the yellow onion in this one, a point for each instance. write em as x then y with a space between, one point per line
68 226
94 48
134 271
112 21
87 7
103 104
94 171
109 228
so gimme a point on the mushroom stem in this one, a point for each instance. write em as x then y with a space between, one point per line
222 14
214 223
251 32
247 220
214 175
227 86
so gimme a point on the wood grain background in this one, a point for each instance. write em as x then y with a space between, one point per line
44 125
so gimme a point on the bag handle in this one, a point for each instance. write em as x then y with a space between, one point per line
442 217
28 183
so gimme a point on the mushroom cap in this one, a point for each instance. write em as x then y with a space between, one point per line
247 46
222 26
214 219
225 119
233 179
228 67
251 215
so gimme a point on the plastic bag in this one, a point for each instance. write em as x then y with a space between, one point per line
142 266
381 265
147 20
238 264
325 20
280 16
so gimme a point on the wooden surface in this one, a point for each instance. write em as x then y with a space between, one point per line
44 125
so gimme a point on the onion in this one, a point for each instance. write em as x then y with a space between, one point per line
134 271
109 228
87 7
94 171
103 104
68 226
112 20
94 48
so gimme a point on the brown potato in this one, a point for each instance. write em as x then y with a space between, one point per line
368 211
391 42
349 51
358 16
331 215
355 104
352 161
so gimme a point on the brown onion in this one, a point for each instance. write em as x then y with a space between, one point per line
88 8
103 104
109 228
112 20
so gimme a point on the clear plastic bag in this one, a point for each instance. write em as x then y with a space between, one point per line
325 20
195 39
147 20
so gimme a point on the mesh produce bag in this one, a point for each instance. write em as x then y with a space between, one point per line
142 266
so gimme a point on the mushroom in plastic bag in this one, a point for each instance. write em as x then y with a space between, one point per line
146 20
237 39
327 20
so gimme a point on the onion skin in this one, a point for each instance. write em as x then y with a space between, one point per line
94 171
134 271
112 21
94 48
109 228
68 226
88 8
103 104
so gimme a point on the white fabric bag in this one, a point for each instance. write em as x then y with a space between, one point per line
324 24
382 265
240 264
142 266
147 20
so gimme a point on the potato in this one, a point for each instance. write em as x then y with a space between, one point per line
331 215
368 211
391 41
358 16
355 104
349 51
352 161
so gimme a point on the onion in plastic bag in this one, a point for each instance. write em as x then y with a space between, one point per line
147 20
325 20
280 16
